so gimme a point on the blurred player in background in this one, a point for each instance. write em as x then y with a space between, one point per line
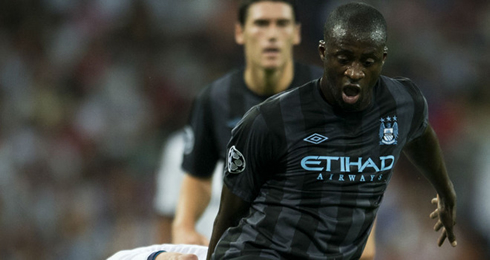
268 30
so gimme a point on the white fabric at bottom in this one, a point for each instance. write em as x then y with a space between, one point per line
142 253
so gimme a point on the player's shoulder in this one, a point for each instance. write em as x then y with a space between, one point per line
268 114
293 92
224 83
273 104
398 82
313 70
402 85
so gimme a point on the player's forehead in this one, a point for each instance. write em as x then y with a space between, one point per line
344 32
269 10
344 37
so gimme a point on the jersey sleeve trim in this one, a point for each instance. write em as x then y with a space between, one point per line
420 120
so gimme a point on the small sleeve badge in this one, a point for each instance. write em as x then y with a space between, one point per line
236 161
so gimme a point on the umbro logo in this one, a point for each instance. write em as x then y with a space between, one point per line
315 138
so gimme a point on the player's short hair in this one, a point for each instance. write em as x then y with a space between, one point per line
245 4
359 18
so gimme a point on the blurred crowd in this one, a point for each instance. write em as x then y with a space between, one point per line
90 89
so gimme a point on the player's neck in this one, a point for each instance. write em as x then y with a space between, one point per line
268 82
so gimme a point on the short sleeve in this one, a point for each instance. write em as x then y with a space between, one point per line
249 156
200 149
420 119
421 116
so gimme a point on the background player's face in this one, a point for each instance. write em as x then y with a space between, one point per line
352 65
268 35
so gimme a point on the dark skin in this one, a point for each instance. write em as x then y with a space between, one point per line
351 69
352 65
425 153
231 209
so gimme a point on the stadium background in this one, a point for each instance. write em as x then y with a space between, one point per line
90 89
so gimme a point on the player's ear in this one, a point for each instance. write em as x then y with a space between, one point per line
385 54
239 38
297 34
321 49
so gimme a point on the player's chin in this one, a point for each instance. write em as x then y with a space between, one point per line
272 64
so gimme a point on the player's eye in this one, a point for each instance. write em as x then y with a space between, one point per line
261 23
342 59
283 23
368 62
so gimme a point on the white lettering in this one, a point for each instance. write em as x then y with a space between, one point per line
352 177
311 160
344 164
369 163
349 164
383 162
329 161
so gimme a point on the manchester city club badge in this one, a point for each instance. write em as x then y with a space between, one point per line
388 131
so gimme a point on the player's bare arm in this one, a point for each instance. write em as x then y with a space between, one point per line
426 154
176 256
370 248
232 208
194 197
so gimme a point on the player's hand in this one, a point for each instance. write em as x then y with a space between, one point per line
175 256
446 219
190 237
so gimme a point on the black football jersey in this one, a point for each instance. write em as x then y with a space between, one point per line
315 175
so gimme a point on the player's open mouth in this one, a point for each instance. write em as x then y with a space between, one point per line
351 93
271 50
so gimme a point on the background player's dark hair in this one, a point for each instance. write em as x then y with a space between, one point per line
358 18
245 4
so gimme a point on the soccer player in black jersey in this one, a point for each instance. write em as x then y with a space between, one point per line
307 169
268 30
